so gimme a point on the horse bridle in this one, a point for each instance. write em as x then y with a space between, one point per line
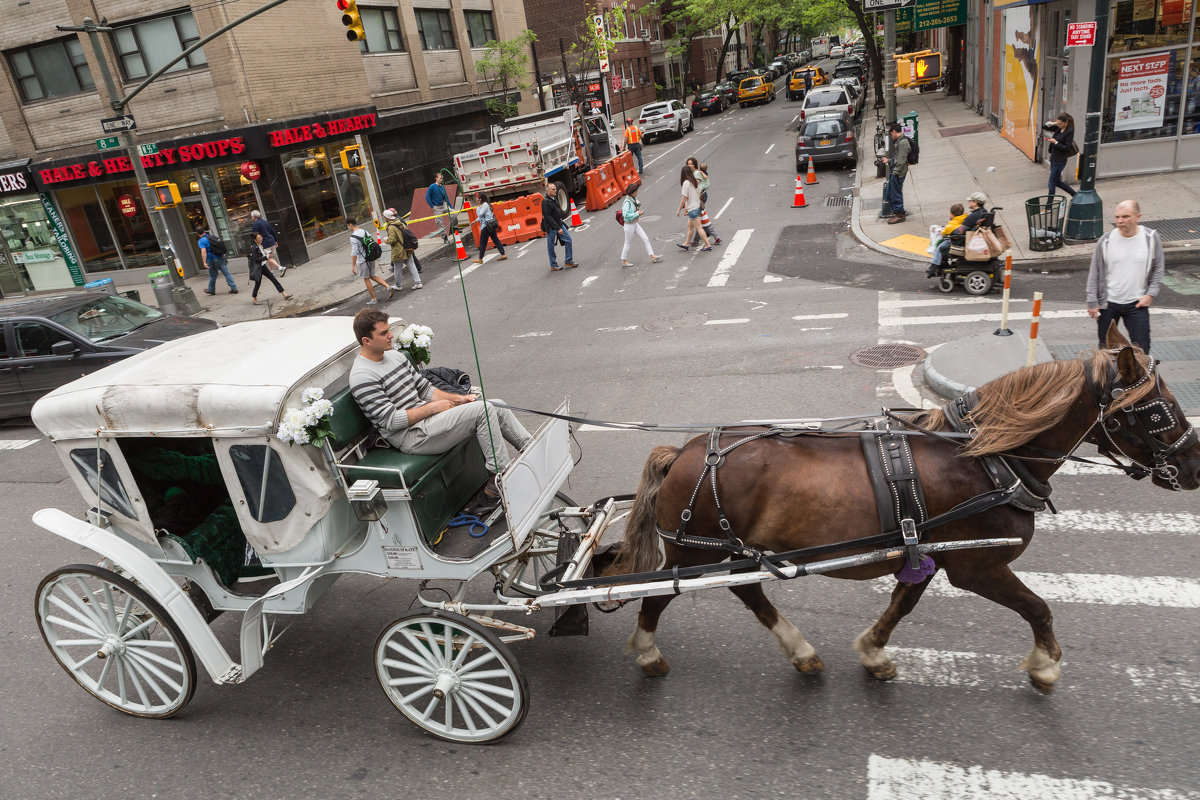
1143 422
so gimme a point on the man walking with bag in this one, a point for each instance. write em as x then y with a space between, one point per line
1125 276
555 228
212 251
897 164
489 228
364 252
270 242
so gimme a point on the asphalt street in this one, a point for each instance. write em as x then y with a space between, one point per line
762 327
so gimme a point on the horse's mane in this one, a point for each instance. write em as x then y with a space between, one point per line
1018 406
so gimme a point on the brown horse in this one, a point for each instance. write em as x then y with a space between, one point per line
783 493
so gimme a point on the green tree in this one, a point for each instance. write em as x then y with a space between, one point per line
504 67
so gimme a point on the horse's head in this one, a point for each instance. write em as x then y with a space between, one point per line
1141 420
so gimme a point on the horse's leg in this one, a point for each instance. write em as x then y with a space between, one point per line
642 641
998 584
793 644
870 643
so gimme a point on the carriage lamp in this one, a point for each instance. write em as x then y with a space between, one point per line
367 501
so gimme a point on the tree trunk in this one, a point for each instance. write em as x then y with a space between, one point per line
724 50
873 54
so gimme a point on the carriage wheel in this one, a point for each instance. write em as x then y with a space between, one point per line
527 569
946 283
116 641
452 677
977 282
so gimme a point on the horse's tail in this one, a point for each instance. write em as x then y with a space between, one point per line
639 551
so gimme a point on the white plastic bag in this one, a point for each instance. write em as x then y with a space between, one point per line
935 238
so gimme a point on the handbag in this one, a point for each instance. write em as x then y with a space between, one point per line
977 248
1072 149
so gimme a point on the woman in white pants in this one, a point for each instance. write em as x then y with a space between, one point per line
631 212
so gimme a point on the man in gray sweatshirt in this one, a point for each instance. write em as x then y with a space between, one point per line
1125 276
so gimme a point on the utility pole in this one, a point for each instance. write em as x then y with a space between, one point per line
1085 218
889 65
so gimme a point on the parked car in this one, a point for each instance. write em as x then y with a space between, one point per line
52 340
795 88
827 140
778 67
727 90
670 117
709 103
837 51
805 56
850 67
857 91
756 89
827 101
737 76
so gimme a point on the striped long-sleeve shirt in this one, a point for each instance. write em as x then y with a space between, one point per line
385 390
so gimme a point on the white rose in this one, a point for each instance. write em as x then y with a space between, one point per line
422 341
296 419
425 330
405 337
312 394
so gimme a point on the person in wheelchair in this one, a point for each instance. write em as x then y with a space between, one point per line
956 235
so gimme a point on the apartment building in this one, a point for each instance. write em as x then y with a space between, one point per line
256 119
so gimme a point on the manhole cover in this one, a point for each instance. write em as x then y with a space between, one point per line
677 322
837 201
884 356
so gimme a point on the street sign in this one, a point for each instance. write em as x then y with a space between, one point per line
122 123
147 149
616 82
108 143
886 5
1081 34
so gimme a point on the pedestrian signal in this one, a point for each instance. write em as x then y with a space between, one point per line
351 157
903 71
914 69
166 193
352 20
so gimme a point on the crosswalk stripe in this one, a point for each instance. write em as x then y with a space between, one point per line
16 444
1118 522
729 258
1089 589
899 320
914 779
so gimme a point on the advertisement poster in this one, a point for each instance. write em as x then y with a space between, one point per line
1143 9
1021 77
1141 92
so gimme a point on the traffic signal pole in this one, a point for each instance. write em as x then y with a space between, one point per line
889 66
181 294
1085 217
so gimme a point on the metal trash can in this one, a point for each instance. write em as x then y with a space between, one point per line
105 285
1046 215
161 283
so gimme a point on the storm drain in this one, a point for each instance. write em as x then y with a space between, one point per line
833 202
1174 230
676 322
888 356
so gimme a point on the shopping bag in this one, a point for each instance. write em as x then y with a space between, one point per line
1005 242
977 247
935 238
993 242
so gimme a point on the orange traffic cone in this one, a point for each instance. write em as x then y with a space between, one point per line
575 220
460 252
799 201
812 173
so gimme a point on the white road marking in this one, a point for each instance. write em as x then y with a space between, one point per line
912 779
532 334
726 321
1015 315
722 211
772 279
622 328
800 317
588 281
665 152
1090 589
1117 522
729 258
1168 687
794 118
769 149
1075 468
805 330
468 270
16 444
528 244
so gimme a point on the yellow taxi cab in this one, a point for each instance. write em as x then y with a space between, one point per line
795 90
755 89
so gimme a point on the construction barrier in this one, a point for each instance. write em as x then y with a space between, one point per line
602 188
625 170
520 219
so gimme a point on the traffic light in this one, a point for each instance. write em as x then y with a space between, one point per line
903 71
352 20
351 157
166 193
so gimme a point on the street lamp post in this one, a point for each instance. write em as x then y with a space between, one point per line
1085 218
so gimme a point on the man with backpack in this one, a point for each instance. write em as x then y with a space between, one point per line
403 244
898 161
213 253
364 252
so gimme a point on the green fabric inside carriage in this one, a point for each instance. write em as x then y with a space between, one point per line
440 485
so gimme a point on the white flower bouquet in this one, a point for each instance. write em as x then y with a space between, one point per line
310 424
416 340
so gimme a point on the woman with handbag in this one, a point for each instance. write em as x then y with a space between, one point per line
258 258
489 228
631 212
1060 148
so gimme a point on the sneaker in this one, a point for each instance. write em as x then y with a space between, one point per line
502 258
626 263
282 271
391 292
233 291
372 302
570 264
418 286
718 241
655 259
555 268
209 291
476 260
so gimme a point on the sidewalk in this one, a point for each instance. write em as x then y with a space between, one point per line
961 153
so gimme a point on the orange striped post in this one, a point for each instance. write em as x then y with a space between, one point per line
1033 327
1003 329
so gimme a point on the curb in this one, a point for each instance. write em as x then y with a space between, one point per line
944 386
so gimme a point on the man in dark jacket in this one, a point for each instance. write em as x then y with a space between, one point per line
270 243
555 228
897 171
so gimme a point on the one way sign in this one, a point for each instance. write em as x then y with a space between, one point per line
121 123
886 5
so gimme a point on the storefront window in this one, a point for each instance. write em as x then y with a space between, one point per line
352 186
230 199
1146 24
316 199
93 238
36 261
1191 113
1142 96
135 235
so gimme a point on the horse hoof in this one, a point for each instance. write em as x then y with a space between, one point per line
1043 687
809 666
657 669
881 672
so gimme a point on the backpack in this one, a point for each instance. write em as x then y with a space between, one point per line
371 249
215 246
914 152
408 239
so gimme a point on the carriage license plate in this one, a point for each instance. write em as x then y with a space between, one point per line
402 557
826 142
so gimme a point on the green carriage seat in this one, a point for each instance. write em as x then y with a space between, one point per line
439 485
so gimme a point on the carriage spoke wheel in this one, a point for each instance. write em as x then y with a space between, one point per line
527 569
452 677
116 641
